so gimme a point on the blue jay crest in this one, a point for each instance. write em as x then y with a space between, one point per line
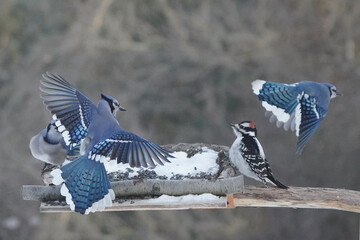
299 107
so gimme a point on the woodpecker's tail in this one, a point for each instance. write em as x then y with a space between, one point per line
276 182
86 185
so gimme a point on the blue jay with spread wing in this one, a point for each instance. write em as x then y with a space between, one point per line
299 106
84 180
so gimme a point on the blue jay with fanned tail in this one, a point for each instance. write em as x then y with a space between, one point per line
299 106
84 180
49 146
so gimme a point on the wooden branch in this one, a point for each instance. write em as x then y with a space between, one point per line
299 197
157 187
147 187
294 197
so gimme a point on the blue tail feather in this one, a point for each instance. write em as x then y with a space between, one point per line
86 181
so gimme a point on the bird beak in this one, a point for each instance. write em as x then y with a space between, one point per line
122 108
232 125
338 93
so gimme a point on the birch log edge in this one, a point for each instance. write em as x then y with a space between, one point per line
147 187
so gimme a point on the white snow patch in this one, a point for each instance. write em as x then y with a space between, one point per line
180 164
186 199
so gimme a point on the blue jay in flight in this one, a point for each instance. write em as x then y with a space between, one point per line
85 182
299 106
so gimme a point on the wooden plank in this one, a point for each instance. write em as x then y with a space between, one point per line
299 197
204 201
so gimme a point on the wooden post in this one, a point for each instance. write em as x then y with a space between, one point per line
230 201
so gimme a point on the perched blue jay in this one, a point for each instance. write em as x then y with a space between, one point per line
86 185
49 146
299 106
247 154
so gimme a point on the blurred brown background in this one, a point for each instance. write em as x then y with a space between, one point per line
183 69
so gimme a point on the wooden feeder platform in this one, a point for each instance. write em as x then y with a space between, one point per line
223 190
250 196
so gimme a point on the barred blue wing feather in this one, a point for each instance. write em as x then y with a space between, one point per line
280 99
126 147
70 108
309 116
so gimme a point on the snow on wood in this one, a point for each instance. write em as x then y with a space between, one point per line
199 164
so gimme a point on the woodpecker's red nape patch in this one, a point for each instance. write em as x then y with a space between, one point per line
252 124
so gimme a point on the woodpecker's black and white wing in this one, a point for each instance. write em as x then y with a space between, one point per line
71 109
254 160
253 154
126 147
